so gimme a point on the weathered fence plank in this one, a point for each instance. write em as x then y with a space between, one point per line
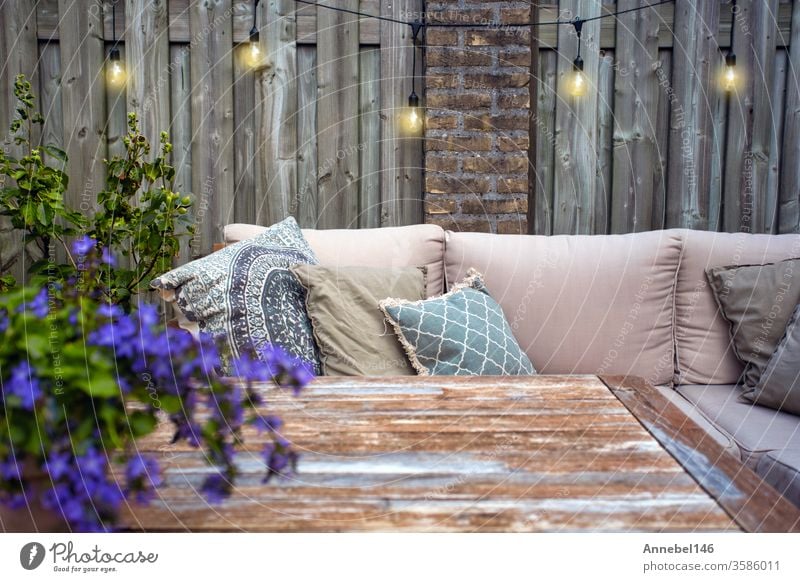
83 99
750 117
50 96
244 136
605 143
778 96
276 176
544 119
369 184
789 202
575 174
663 74
719 107
305 200
401 184
147 61
635 119
691 126
337 113
212 121
180 129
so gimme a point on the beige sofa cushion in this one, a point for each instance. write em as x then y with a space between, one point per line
581 304
419 245
702 336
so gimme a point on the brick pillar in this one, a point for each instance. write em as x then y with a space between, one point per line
477 105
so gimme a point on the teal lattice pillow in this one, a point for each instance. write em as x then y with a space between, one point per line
461 333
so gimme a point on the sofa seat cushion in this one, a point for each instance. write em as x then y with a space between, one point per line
704 354
581 304
419 245
755 429
781 469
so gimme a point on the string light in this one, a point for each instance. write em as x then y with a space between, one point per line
578 84
253 53
115 70
412 118
729 73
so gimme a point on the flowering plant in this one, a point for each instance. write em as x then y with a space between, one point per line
81 380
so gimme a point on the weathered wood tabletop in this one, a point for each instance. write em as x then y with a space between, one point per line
544 453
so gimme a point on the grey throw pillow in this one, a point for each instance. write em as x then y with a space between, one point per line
463 332
779 385
757 301
247 293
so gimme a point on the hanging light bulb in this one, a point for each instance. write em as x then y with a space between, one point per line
578 83
115 71
412 120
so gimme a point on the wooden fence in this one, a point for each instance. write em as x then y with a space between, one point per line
312 131
659 144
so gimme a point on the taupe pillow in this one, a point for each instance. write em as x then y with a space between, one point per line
757 301
779 386
351 334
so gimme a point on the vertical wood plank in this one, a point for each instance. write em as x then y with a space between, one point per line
575 175
277 112
691 122
789 195
18 55
605 143
83 99
180 128
50 96
305 203
147 62
719 106
749 123
545 140
664 76
244 137
777 113
212 120
636 113
337 110
401 155
369 215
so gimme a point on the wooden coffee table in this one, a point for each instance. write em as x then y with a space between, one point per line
547 453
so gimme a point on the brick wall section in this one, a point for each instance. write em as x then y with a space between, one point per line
477 104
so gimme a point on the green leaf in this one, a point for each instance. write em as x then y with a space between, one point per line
57 153
142 423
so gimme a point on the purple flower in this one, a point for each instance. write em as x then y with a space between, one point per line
58 465
10 469
143 475
109 310
216 488
3 320
107 257
24 385
83 246
91 464
39 305
267 423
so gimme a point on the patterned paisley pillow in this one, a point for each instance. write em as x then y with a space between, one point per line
247 292
461 333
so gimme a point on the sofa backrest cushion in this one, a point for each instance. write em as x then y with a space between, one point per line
702 336
419 245
581 304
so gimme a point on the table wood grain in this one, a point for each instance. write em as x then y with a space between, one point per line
532 454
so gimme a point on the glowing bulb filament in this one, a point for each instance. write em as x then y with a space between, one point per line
578 85
729 79
116 74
